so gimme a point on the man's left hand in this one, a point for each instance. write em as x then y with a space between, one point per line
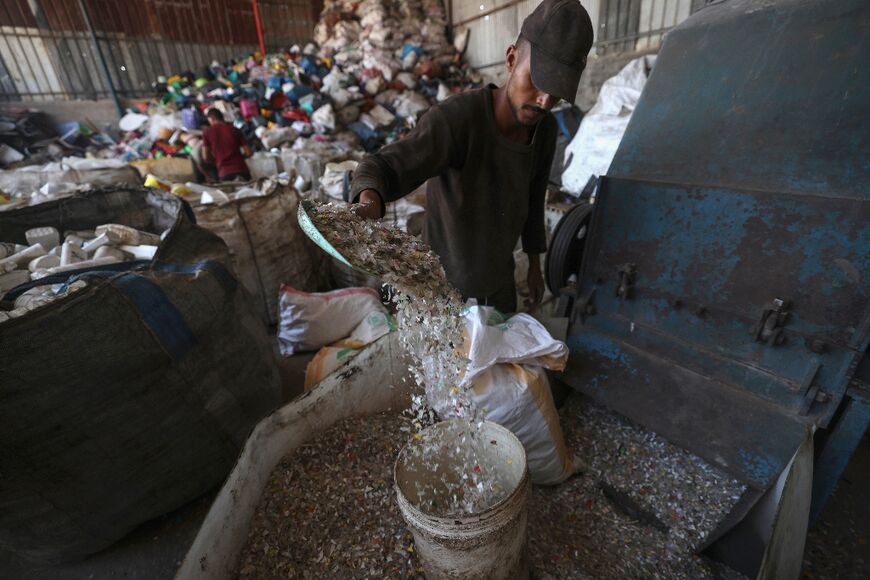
535 281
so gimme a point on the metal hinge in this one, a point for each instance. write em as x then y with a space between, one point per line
810 390
769 327
627 274
584 306
567 297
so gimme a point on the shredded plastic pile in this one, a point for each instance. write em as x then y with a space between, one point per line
329 509
640 510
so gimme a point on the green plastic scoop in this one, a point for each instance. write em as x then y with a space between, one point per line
318 238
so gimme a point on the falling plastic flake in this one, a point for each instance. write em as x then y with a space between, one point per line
429 312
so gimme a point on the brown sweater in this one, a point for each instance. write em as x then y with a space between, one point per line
483 192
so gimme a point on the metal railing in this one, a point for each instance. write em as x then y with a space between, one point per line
48 50
639 25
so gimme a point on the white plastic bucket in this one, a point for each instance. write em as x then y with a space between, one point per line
488 544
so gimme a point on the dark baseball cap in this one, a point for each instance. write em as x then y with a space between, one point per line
560 35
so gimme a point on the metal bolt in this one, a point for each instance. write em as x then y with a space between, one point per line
817 346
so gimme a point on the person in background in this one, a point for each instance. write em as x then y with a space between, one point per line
202 171
486 157
223 144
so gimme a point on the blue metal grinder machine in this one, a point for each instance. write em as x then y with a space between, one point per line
723 297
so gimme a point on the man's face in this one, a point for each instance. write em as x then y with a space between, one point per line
528 103
212 120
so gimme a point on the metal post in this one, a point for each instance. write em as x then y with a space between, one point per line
450 21
259 25
102 58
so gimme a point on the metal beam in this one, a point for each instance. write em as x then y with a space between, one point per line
102 59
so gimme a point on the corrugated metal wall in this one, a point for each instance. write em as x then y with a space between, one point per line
46 52
620 25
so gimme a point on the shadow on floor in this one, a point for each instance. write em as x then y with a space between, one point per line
839 545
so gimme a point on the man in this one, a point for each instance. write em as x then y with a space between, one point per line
222 144
486 155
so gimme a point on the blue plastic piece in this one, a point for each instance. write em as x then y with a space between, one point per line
409 48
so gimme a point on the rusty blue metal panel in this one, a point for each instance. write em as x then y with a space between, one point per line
707 261
724 285
761 95
730 429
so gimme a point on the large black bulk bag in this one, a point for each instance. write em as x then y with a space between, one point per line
132 396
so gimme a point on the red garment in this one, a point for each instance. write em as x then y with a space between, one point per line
278 100
225 143
295 115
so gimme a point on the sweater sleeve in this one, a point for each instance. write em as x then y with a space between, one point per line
401 167
534 233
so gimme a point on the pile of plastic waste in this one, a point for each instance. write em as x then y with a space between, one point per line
38 183
309 112
28 136
373 68
48 254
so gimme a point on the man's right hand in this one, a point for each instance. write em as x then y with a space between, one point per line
369 206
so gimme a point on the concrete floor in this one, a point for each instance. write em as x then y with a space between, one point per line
839 546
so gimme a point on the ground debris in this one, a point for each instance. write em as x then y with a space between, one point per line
576 531
329 509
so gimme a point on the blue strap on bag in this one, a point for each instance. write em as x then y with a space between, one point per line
158 312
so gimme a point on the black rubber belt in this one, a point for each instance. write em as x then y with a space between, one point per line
556 266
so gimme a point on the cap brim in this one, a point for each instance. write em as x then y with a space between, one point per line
553 77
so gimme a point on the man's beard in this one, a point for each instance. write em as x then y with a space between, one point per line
516 114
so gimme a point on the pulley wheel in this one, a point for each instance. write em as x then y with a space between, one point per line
566 248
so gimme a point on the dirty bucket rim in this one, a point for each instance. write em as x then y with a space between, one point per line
464 518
